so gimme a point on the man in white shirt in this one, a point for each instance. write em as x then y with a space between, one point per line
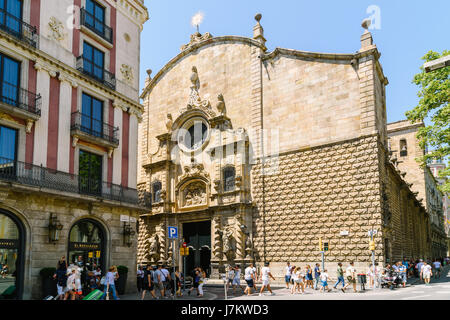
288 275
265 274
350 273
426 273
249 276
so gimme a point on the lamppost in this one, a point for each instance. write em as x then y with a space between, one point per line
437 64
54 228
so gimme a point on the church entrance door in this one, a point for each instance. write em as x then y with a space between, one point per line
198 238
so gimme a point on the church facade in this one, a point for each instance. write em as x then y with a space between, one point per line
256 156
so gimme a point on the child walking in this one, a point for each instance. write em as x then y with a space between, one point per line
324 280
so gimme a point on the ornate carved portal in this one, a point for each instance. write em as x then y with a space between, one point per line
194 195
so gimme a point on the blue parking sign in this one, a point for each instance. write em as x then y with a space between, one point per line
173 232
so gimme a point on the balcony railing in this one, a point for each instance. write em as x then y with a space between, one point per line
38 176
94 127
89 68
20 98
97 26
19 29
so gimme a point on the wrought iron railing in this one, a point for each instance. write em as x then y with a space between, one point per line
95 25
92 70
94 127
38 176
19 29
20 98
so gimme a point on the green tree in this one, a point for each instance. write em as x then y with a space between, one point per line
434 105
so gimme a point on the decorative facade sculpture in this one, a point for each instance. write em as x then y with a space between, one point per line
227 241
221 105
196 38
153 250
56 29
127 73
194 194
169 122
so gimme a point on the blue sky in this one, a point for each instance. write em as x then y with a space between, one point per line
408 30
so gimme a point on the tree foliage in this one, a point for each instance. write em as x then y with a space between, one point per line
434 105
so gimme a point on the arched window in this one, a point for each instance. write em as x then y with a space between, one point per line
403 148
157 186
229 175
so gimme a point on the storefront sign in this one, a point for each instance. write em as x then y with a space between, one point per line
84 246
9 244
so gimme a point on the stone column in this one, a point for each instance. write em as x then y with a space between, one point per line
41 126
64 122
117 155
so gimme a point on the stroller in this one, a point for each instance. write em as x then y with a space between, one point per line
391 279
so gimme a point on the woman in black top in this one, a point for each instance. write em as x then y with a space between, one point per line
62 264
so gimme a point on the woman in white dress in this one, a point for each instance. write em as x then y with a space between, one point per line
370 275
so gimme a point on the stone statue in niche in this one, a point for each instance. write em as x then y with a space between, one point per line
195 194
170 253
221 105
227 240
248 247
154 252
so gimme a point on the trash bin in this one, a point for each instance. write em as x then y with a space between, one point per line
362 279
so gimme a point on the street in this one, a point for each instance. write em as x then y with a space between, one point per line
439 289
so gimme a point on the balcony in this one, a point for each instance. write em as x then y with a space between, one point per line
19 102
19 29
41 177
93 130
97 26
90 69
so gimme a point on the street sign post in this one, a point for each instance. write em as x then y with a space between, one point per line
173 235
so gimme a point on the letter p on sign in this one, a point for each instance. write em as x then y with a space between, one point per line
173 232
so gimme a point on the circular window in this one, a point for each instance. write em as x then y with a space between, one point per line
193 134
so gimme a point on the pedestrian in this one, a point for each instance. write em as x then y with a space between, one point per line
237 278
158 280
298 281
196 279
147 282
249 277
340 277
437 268
110 285
140 278
402 272
256 278
61 277
324 281
350 273
370 275
167 282
426 272
177 276
265 274
309 277
230 277
70 284
419 268
316 276
288 274
406 264
201 282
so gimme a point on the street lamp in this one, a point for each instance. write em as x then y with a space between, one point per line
128 232
437 64
54 228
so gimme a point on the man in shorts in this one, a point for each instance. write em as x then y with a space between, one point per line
402 271
158 280
230 277
437 268
426 273
265 274
237 278
249 276
350 273
288 275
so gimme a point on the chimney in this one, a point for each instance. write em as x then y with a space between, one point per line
366 38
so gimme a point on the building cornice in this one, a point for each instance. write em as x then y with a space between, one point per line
53 65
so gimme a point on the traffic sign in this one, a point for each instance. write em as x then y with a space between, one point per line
184 251
184 244
173 232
